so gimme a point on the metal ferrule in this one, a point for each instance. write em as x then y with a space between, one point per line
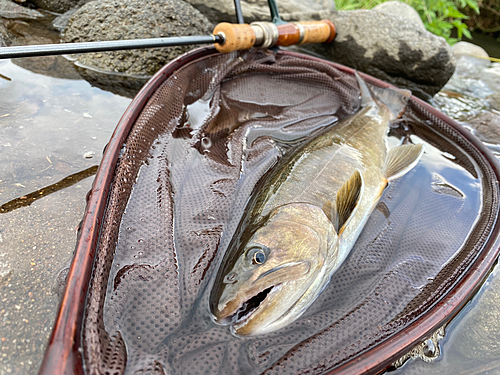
266 34
302 31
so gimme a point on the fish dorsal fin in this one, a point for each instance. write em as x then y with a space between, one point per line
395 99
401 159
347 200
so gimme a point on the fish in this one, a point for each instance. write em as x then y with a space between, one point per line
305 217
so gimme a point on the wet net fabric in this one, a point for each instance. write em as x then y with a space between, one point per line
201 144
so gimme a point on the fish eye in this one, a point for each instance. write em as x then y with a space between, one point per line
257 254
259 257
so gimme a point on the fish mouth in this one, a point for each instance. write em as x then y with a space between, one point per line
236 311
251 305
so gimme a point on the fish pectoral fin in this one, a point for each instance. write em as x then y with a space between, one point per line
401 159
348 198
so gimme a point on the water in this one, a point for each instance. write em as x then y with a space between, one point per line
52 132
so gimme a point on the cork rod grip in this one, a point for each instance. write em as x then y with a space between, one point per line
317 31
266 34
236 37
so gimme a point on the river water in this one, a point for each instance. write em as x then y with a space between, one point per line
53 127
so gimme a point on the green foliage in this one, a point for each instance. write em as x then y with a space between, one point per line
441 17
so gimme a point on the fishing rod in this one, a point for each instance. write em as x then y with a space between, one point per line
226 37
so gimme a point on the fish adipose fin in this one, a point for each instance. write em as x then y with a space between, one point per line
395 99
347 201
401 160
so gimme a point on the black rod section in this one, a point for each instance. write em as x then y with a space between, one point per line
112 45
239 12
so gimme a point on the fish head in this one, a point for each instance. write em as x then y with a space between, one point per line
270 282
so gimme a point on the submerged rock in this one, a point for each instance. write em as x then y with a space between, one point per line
486 127
131 19
258 10
390 48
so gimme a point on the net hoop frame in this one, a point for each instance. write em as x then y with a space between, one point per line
63 354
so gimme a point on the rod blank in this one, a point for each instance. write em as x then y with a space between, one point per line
113 45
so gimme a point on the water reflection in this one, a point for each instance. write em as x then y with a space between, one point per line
52 132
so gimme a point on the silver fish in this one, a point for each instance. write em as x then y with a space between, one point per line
305 219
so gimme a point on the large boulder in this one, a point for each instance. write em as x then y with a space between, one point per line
258 10
131 19
389 47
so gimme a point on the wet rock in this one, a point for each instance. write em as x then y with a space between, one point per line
5 37
131 19
57 6
478 54
390 48
400 9
486 127
127 86
478 338
258 10
494 100
11 10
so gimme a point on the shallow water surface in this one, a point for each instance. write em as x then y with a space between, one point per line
52 132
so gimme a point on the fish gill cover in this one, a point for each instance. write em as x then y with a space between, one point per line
201 145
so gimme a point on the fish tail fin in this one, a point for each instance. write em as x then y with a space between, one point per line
401 159
394 99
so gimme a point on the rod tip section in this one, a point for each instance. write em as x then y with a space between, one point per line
236 37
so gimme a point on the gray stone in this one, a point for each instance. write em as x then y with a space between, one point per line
11 10
390 48
404 10
130 19
471 51
57 6
258 10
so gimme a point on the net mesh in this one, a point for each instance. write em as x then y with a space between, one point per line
205 138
